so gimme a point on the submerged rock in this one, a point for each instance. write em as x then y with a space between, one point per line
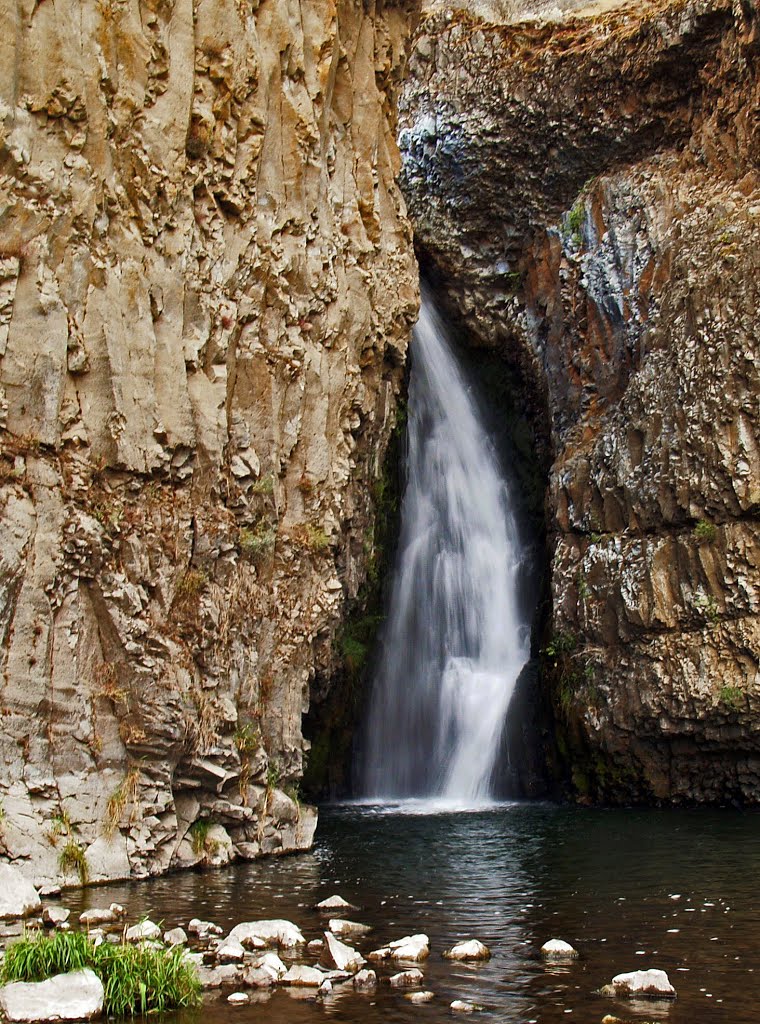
18 897
652 983
344 957
419 997
215 977
74 996
461 1006
558 949
268 933
472 949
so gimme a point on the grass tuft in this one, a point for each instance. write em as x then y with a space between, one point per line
136 979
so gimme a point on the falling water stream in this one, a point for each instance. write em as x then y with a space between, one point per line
454 642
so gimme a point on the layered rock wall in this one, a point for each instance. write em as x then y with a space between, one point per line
206 288
589 193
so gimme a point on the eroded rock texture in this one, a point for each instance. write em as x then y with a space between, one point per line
207 283
589 192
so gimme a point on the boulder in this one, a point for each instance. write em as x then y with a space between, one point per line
365 979
238 998
18 897
203 928
143 932
215 977
175 937
411 947
230 951
55 916
96 916
271 962
326 987
557 949
406 979
344 957
335 903
304 977
419 997
651 984
74 996
258 977
347 928
472 949
461 1006
268 933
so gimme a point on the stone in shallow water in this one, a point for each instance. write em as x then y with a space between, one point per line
472 949
635 984
344 957
18 897
55 916
461 1006
268 933
230 951
175 937
365 979
406 979
335 903
347 928
419 997
204 928
143 931
272 963
303 976
411 947
238 998
215 977
74 996
558 949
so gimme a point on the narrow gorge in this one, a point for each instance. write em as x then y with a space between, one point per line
212 221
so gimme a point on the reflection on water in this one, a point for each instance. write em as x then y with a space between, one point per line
629 889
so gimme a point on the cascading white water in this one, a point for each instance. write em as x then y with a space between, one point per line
454 642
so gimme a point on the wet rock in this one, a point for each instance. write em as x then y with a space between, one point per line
55 916
335 903
216 977
258 977
203 928
326 987
96 916
411 947
472 949
74 996
637 984
406 979
271 962
143 932
48 891
365 979
238 998
462 1006
347 928
316 946
230 951
268 933
302 976
18 897
558 949
175 937
344 957
419 997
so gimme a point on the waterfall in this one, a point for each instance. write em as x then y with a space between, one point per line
454 642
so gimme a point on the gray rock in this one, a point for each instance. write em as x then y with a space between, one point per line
175 937
558 949
216 977
472 949
18 897
238 998
344 957
230 951
462 1006
406 979
268 933
650 984
302 976
74 996
335 903
55 916
365 979
419 997
142 932
350 929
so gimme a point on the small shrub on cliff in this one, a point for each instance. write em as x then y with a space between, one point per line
190 584
136 979
199 839
257 542
731 696
72 858
705 531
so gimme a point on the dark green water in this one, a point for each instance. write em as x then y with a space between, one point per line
630 889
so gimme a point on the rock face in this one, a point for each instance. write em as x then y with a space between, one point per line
206 288
74 996
588 194
18 897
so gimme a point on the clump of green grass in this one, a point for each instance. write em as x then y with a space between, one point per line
136 979
705 531
247 739
264 485
257 542
199 832
731 696
72 858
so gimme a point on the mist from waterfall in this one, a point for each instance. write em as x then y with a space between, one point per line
455 640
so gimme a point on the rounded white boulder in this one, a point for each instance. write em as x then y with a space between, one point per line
558 949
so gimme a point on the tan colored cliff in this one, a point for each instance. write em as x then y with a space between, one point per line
589 192
206 289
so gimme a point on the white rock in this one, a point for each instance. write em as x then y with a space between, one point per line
419 997
340 927
204 928
558 949
271 962
55 915
365 979
74 996
230 951
303 976
406 978
644 983
215 977
175 937
316 946
101 915
344 957
18 897
460 1006
411 947
326 986
143 932
238 998
472 949
335 903
268 933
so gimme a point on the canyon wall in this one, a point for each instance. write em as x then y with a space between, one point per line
587 193
206 289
